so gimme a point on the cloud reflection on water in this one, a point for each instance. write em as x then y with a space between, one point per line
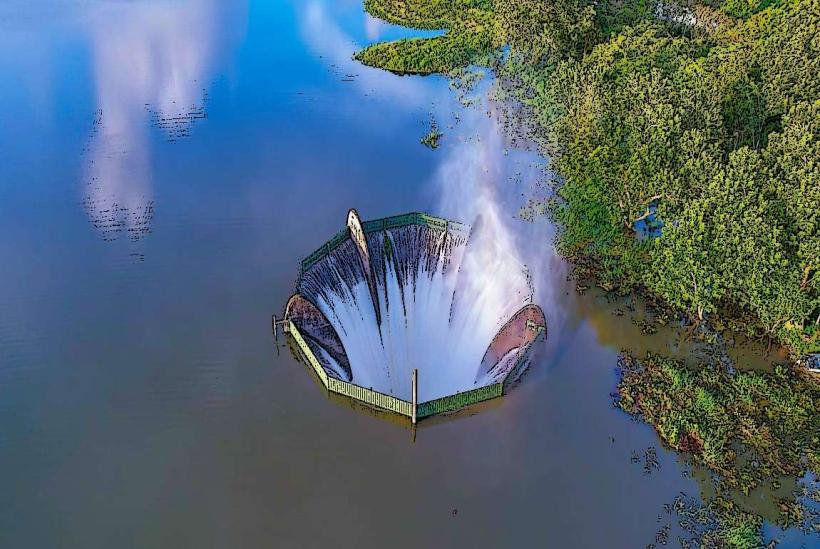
373 27
151 65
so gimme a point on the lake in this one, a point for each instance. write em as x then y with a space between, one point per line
164 168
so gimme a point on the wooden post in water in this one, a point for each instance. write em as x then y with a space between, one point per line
275 333
415 394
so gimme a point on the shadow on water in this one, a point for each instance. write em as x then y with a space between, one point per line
631 323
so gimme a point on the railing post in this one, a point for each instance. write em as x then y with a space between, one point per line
415 394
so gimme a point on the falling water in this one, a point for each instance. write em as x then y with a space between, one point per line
430 313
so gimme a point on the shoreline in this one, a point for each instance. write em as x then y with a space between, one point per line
709 401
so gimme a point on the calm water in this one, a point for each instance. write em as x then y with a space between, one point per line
164 166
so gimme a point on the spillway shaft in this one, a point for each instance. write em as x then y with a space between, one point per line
437 308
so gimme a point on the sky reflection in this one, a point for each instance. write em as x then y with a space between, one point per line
152 64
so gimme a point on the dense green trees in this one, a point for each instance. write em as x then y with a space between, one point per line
710 111
723 132
545 31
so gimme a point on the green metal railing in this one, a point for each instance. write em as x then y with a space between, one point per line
334 385
390 403
459 400
376 225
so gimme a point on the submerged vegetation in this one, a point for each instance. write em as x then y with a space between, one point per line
744 426
432 138
710 112
749 430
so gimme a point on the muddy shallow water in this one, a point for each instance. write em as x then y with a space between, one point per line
165 166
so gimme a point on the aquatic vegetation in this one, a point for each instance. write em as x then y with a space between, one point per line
431 138
718 523
709 411
464 81
749 429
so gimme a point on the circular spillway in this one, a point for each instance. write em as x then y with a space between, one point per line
386 300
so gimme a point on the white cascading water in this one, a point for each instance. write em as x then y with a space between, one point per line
437 313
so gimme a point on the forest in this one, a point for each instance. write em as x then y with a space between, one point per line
700 120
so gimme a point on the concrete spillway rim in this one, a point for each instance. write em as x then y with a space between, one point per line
339 353
531 324
381 224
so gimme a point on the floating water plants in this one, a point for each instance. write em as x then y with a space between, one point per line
398 313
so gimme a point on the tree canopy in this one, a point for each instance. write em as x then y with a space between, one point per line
707 110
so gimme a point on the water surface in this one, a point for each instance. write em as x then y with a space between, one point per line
164 166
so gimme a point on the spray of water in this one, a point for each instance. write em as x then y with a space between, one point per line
440 297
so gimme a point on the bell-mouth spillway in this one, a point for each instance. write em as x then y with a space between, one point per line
390 312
